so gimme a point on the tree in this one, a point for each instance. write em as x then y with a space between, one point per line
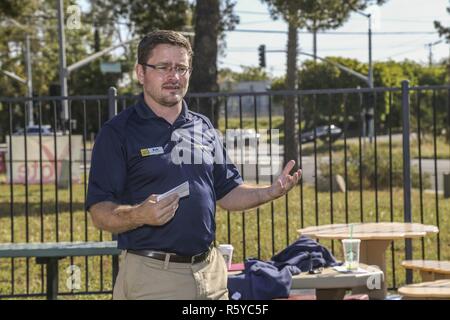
210 22
445 32
247 74
143 16
38 19
322 75
10 8
204 75
312 14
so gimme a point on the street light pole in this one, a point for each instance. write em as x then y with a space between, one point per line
29 81
370 52
370 112
62 63
371 106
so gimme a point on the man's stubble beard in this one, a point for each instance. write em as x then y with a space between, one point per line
167 101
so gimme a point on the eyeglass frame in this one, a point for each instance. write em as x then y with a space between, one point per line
157 67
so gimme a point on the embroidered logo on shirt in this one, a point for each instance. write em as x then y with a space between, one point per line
145 152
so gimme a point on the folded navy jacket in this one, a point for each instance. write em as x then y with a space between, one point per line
264 280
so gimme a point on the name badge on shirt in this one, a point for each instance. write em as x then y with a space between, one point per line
152 151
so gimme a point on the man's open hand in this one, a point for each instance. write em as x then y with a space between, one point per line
285 181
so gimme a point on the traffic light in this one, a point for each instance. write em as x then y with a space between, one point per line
262 55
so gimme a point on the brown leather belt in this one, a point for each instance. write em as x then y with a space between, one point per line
172 256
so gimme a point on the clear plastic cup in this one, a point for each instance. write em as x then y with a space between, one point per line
227 253
351 253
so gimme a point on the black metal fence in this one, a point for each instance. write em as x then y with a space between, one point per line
44 176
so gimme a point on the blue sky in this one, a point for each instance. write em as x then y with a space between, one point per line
415 16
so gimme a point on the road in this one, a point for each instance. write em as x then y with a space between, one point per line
249 167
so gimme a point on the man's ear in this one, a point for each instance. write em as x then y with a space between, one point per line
139 73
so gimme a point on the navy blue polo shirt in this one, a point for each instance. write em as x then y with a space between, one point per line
137 154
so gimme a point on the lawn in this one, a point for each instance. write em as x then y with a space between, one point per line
271 230
427 147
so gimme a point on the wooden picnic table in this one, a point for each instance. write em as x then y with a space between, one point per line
332 285
430 270
375 239
439 289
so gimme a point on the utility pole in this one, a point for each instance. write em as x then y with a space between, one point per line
315 44
430 51
62 64
314 32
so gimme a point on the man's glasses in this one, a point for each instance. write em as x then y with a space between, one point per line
165 69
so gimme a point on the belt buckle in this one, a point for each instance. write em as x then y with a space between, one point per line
194 258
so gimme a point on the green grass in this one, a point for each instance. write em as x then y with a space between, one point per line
283 222
426 147
263 123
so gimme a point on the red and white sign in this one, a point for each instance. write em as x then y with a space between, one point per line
31 168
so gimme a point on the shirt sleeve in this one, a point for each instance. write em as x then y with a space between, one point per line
107 174
226 175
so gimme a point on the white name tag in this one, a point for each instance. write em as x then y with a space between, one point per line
152 151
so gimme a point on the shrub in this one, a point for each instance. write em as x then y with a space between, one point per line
367 168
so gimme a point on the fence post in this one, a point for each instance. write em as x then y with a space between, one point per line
112 102
112 111
406 172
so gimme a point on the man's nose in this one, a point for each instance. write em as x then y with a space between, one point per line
172 73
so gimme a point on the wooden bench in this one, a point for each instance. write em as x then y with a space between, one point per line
50 252
439 289
430 270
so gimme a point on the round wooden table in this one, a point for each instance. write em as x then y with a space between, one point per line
375 239
439 289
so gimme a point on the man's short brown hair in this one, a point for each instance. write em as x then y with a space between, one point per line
151 40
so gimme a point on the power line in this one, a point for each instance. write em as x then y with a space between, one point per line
387 46
416 48
252 12
336 32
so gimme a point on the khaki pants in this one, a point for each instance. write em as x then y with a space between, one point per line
143 278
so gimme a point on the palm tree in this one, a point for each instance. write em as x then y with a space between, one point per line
313 15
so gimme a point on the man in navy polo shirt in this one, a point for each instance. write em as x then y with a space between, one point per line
145 151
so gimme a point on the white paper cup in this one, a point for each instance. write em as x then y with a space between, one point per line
351 253
227 253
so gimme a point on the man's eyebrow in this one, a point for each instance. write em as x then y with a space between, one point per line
170 64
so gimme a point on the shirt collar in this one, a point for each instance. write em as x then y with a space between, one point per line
145 112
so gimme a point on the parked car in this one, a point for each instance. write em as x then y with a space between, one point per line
323 133
45 130
244 137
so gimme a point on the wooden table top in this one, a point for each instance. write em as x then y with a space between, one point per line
370 231
332 279
442 267
430 290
